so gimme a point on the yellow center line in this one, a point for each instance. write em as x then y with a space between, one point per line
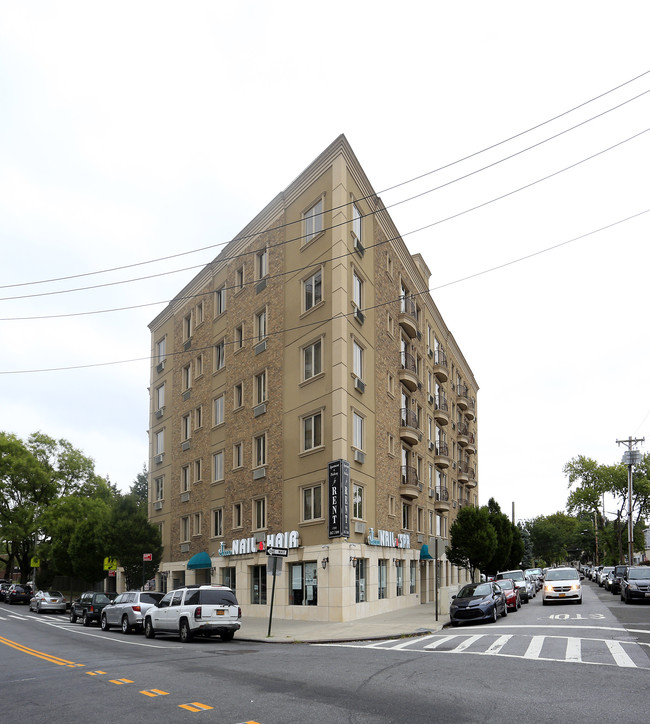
39 654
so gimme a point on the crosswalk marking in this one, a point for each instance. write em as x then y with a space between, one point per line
534 647
442 640
620 657
573 650
496 647
467 643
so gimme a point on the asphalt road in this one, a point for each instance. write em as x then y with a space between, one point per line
542 664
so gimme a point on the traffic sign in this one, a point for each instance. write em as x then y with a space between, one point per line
147 557
277 552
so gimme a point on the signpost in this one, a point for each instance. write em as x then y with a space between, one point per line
145 557
275 553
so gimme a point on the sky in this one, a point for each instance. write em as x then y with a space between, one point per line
134 131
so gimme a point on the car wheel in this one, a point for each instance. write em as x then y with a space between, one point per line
148 629
493 618
104 624
126 628
38 608
579 601
185 632
455 624
505 611
518 602
73 616
227 636
85 621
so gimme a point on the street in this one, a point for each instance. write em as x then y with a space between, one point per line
556 663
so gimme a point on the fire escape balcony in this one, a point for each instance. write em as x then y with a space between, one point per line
440 369
441 410
408 317
442 454
441 499
409 427
410 486
408 371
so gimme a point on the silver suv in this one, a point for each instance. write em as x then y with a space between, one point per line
128 609
209 610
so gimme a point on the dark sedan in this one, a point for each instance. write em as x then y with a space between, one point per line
18 593
635 584
478 602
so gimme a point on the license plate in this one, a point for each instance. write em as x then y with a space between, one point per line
562 595
220 612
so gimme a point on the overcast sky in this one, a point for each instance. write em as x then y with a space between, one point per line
132 131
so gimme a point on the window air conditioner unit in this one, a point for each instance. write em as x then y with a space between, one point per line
261 286
432 493
187 345
454 504
359 385
429 352
419 336
187 394
453 464
185 547
160 366
359 457
453 425
185 497
259 473
260 347
430 445
158 505
185 445
359 315
159 413
420 538
259 409
158 458
359 527
430 399
358 246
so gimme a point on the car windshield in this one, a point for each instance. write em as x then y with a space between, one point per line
475 589
639 574
506 584
562 574
53 593
515 575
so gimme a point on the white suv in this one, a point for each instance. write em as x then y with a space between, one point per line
209 610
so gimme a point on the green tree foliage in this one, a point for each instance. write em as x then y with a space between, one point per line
503 527
140 488
473 539
517 557
552 536
130 535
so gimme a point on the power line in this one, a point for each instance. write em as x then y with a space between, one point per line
366 309
390 188
287 241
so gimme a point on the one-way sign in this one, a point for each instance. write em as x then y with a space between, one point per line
277 552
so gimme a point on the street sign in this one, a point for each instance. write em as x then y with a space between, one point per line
147 557
277 552
110 563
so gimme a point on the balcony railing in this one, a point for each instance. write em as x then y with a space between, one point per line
440 402
440 357
442 493
442 447
408 418
410 476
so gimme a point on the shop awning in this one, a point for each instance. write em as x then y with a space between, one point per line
424 553
200 560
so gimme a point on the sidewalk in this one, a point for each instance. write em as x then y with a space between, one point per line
414 621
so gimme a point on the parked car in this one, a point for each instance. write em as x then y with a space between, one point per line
209 610
537 575
48 601
609 579
478 602
532 585
562 584
18 593
615 586
128 609
4 587
89 607
635 584
511 592
603 575
520 581
594 573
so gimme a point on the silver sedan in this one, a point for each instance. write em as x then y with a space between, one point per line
48 601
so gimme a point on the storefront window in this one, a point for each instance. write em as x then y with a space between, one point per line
399 569
228 577
413 574
360 580
382 577
258 584
304 587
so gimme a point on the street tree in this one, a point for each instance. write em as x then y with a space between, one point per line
504 529
552 536
473 539
140 488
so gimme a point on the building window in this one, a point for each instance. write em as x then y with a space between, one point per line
238 395
198 366
218 410
196 521
420 520
185 478
304 586
260 325
239 278
198 314
356 221
239 336
360 581
238 455
219 355
406 516
313 219
357 359
185 529
258 585
198 471
382 571
217 523
260 388
185 427
390 324
259 513
357 290
187 377
236 515
160 397
312 434
159 446
311 503
228 577
312 289
413 569
357 501
357 431
159 488
391 444
391 384
259 450
220 301
161 350
217 466
389 264
187 327
312 360
262 263
399 577
391 505
198 418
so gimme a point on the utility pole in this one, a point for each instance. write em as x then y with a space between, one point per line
631 457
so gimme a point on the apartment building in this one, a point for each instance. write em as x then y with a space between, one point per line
307 395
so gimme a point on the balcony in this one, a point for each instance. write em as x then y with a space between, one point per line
462 397
470 412
462 502
471 444
409 426
408 317
442 459
440 369
462 433
465 473
410 486
471 481
408 372
441 410
441 501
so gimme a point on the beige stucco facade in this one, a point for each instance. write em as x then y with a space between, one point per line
311 338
